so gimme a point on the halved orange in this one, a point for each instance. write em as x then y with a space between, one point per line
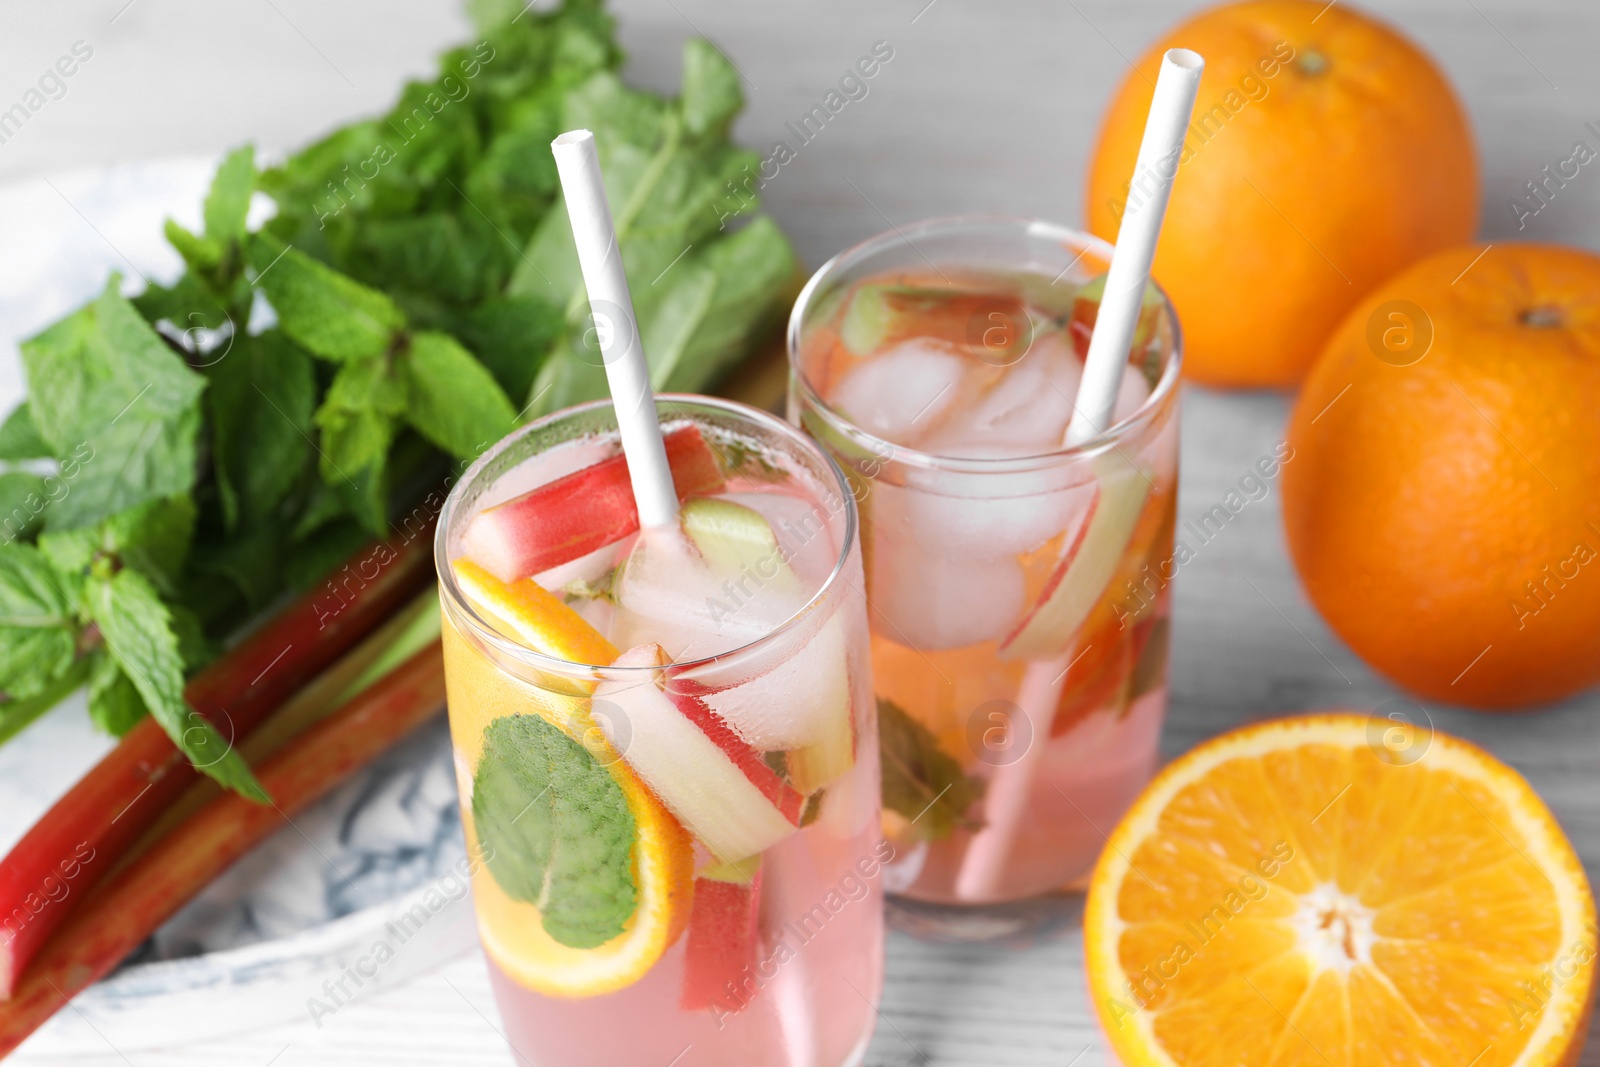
1340 889
480 691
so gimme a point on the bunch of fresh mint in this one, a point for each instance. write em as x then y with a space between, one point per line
186 457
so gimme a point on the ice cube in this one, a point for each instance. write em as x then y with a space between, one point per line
981 516
904 393
930 601
1131 396
1024 413
798 695
667 595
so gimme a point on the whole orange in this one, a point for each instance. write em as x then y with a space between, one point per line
1326 153
1444 514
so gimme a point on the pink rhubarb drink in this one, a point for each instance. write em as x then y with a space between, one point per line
1018 589
666 745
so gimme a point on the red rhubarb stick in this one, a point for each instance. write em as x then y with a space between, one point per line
119 915
89 828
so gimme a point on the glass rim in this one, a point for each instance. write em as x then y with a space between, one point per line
454 600
913 457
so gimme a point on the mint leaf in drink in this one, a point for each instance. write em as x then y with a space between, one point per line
19 437
115 705
454 400
138 632
712 95
556 830
153 538
325 312
110 397
921 781
261 400
23 498
1150 670
38 626
228 202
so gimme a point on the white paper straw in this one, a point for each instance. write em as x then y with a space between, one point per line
1118 317
1006 803
611 305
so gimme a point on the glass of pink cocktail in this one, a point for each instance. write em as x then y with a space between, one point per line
666 744
1019 589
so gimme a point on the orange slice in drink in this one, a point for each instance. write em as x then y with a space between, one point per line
537 617
514 932
1340 889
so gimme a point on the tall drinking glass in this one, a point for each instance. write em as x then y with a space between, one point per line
1019 590
667 755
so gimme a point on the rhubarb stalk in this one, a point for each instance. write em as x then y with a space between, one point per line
133 902
89 828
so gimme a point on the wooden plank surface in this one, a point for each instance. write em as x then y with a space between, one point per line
984 107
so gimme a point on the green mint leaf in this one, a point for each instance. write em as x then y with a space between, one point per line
194 647
920 780
1151 668
261 399
117 407
320 552
669 190
153 538
555 829
228 202
323 506
716 304
23 499
249 562
511 337
457 259
617 113
115 705
187 306
711 92
365 495
138 631
38 628
357 417
199 252
328 313
516 180
454 401
19 437
18 713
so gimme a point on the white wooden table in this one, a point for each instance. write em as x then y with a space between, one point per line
984 107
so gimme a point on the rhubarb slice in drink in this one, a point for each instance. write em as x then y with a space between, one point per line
994 326
717 785
723 938
800 702
581 512
1086 309
1087 565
